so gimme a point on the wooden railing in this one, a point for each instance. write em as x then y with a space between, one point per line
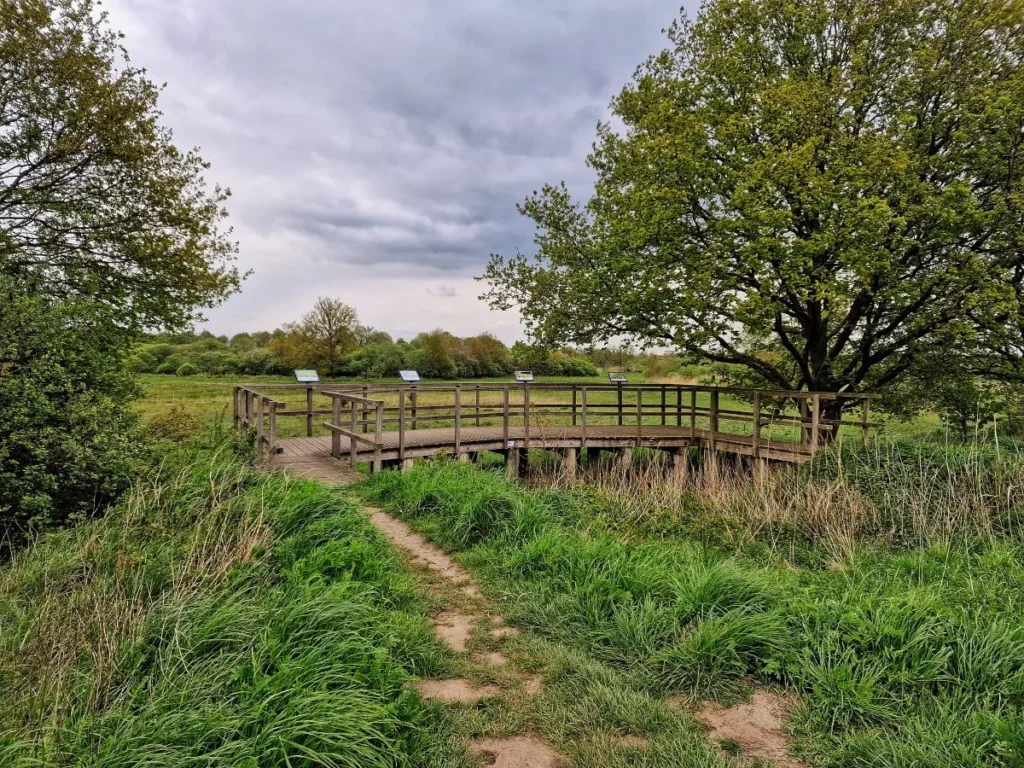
363 413
254 410
356 415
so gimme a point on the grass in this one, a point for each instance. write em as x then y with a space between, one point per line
902 655
217 617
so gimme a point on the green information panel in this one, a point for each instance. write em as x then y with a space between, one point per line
307 376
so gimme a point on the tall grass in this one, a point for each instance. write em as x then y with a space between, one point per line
216 617
902 658
906 495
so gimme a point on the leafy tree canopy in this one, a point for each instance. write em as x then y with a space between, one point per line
95 199
820 191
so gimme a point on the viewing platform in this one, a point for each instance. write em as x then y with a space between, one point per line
392 425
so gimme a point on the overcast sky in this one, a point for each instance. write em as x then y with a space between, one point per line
376 148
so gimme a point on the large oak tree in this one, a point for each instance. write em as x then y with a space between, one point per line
821 191
95 199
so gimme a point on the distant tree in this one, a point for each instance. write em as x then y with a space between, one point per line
329 331
95 199
434 358
818 191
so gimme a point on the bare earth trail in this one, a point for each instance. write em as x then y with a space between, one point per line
757 726
455 626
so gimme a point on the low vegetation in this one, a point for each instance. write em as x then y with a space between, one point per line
216 616
901 657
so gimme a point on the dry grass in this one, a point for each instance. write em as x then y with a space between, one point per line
91 589
843 497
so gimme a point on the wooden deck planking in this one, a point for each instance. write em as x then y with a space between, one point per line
441 441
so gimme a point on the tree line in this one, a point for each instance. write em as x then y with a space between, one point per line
330 339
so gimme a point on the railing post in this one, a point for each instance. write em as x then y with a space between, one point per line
234 409
412 402
865 424
309 410
583 429
526 416
639 415
401 424
458 419
620 402
574 405
259 426
273 428
366 427
504 416
664 415
679 406
478 405
336 421
353 447
377 437
713 416
693 411
815 422
757 425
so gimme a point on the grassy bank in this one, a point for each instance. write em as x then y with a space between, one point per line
902 656
217 617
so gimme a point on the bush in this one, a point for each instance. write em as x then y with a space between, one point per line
187 369
166 368
578 366
68 436
142 362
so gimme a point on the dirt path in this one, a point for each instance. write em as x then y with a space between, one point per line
457 626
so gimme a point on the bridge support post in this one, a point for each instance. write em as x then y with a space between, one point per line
513 460
570 461
626 458
679 467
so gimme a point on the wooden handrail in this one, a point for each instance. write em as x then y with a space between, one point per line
371 409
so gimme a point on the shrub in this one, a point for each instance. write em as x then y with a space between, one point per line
167 368
142 362
578 366
187 369
68 434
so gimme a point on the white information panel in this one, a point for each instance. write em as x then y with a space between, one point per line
409 375
524 377
307 376
617 378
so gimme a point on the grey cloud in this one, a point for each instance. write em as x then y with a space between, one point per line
443 291
388 132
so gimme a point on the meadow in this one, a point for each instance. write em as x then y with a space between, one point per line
227 616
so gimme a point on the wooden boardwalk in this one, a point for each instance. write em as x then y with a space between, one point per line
384 425
441 442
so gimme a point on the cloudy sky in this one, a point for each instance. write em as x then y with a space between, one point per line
376 148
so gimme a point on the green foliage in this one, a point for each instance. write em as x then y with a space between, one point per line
98 201
901 659
68 439
817 191
187 369
236 619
